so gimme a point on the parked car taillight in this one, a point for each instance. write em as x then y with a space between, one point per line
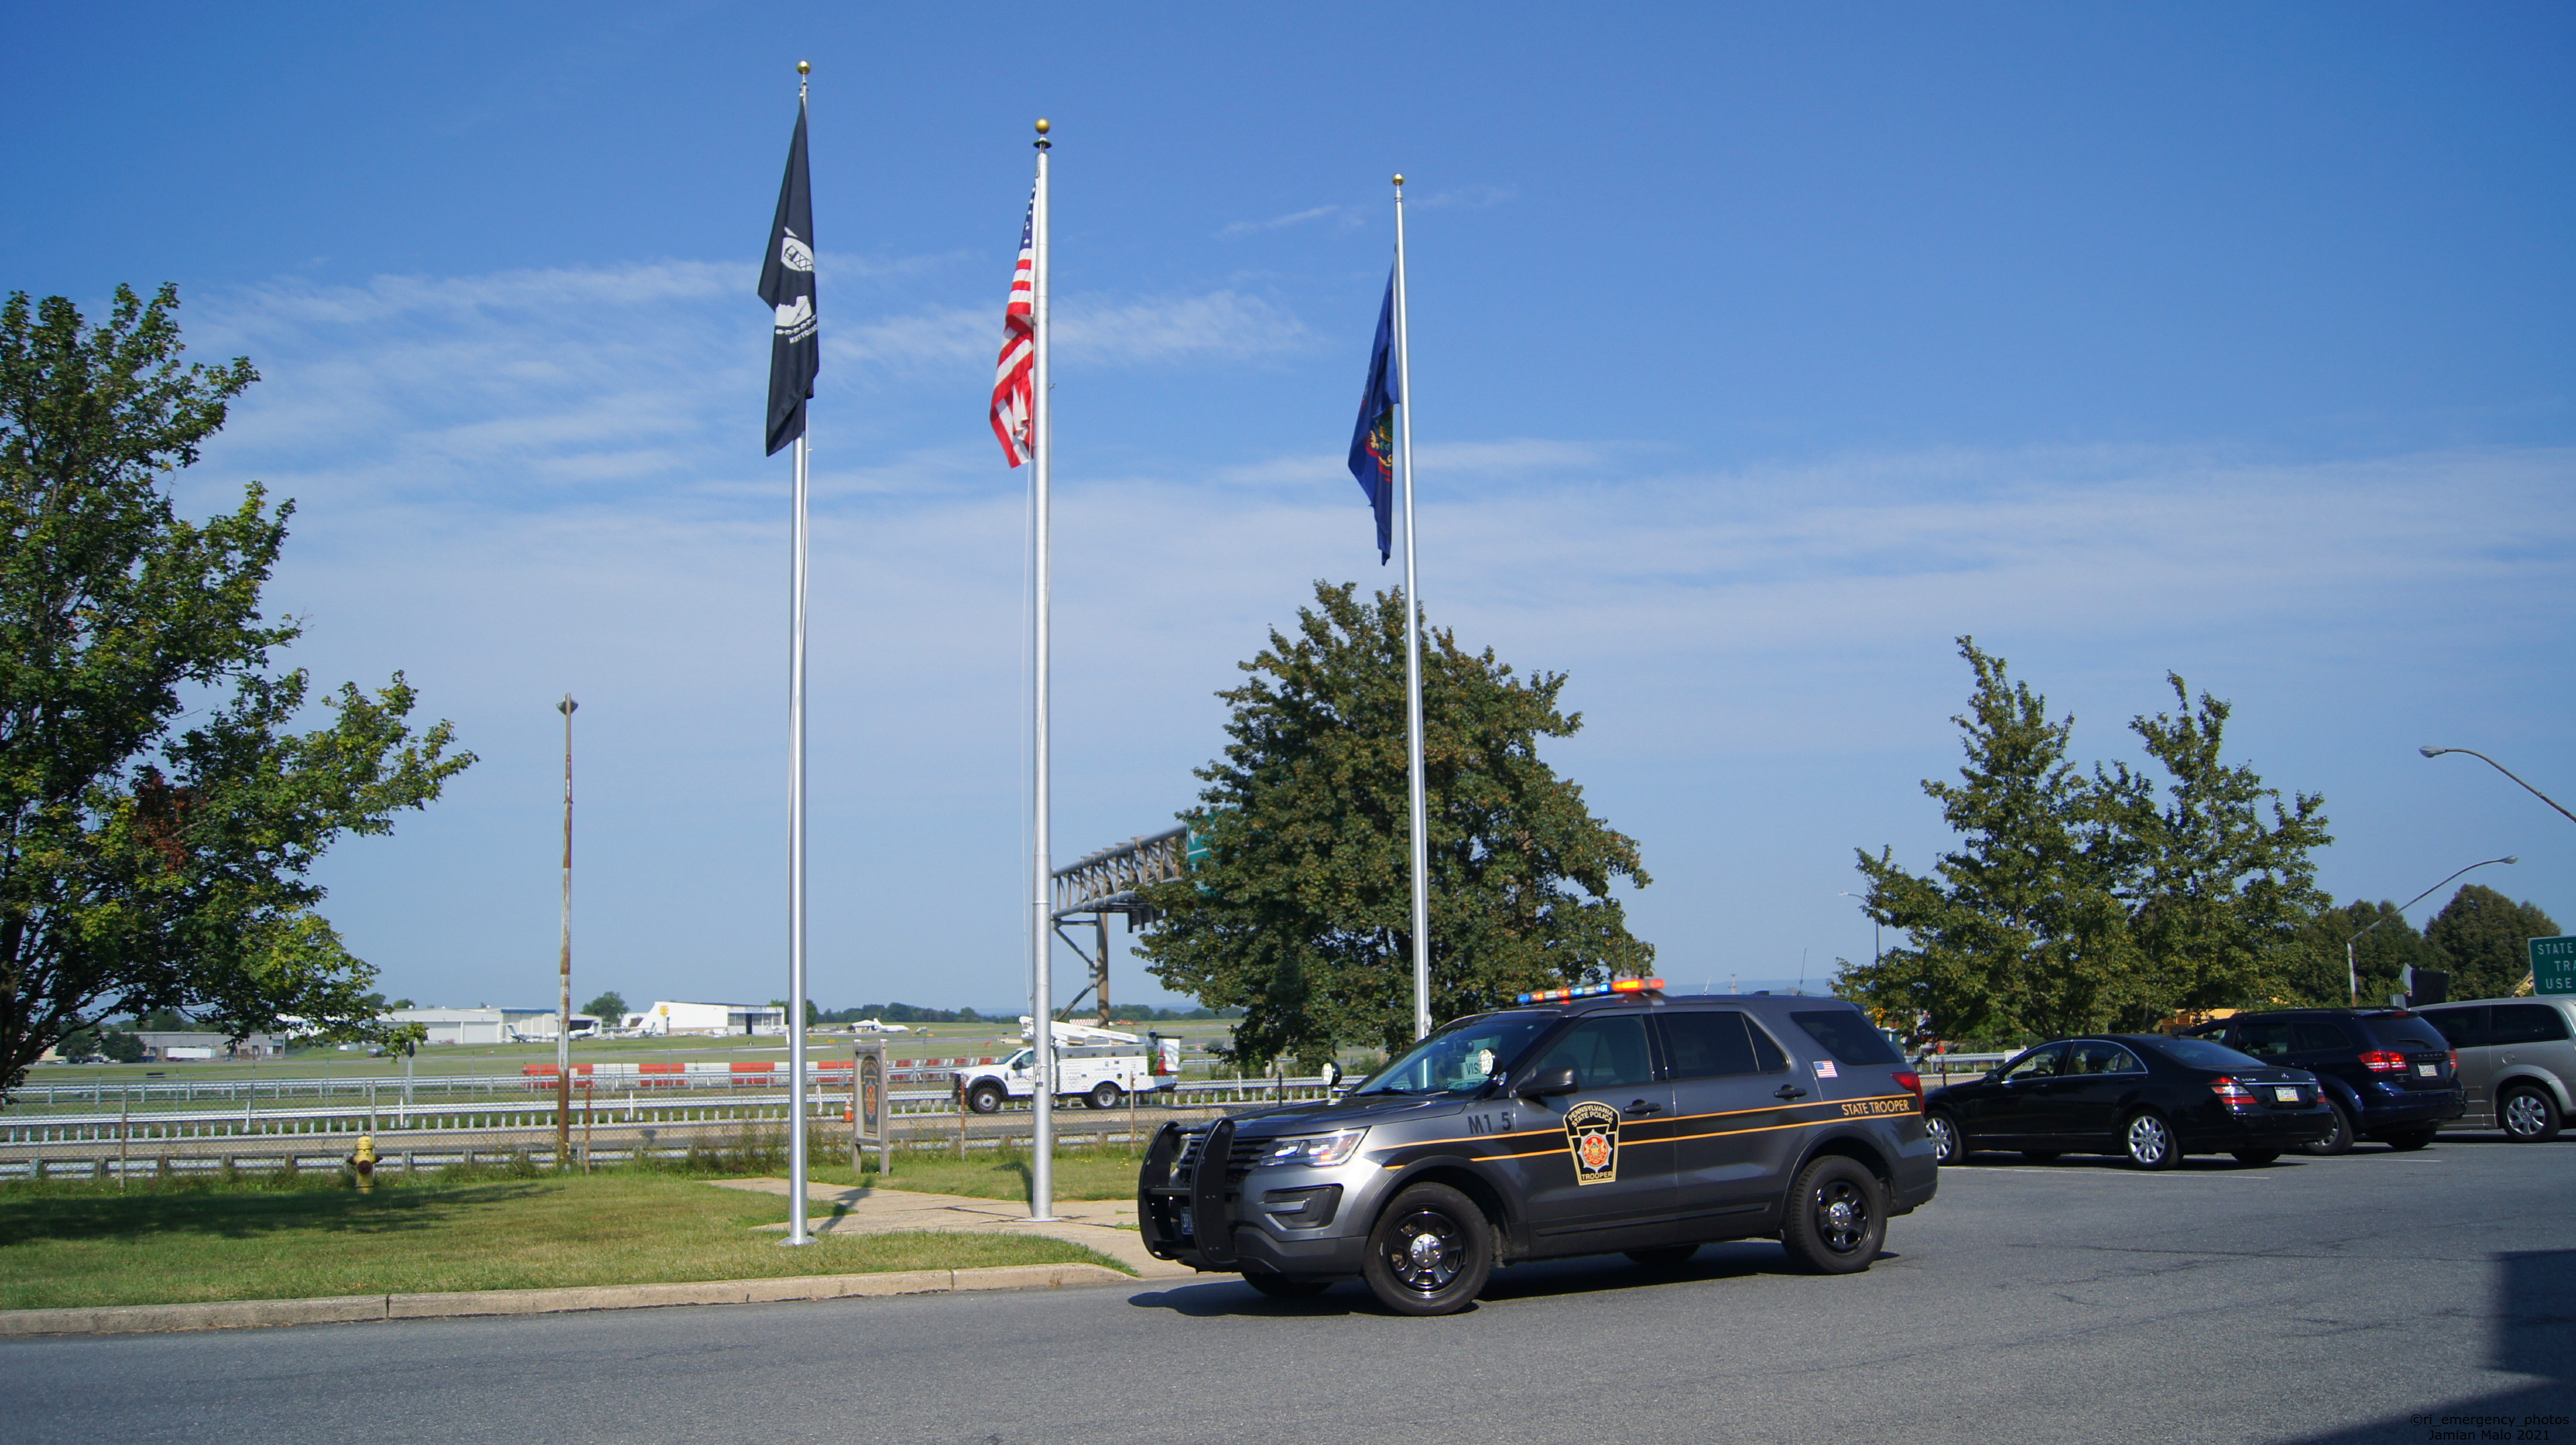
2383 1061
2237 1095
2455 1061
1911 1082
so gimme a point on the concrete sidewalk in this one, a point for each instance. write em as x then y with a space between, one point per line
1107 1225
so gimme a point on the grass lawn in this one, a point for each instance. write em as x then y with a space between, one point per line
82 1244
991 1174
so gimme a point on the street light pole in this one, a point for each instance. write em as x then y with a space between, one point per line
2352 969
1875 952
2430 751
563 980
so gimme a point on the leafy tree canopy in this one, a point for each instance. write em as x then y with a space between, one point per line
609 1008
2079 901
1301 913
149 865
2483 938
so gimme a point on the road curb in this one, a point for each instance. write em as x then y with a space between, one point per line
346 1309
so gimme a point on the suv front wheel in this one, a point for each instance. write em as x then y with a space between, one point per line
1837 1217
1430 1253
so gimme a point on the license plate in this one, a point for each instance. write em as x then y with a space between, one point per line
2428 1070
2286 1096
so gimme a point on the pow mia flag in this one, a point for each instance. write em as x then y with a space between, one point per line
787 284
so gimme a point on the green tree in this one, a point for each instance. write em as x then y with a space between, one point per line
609 1008
1301 913
2312 971
2483 937
2022 930
146 864
2223 885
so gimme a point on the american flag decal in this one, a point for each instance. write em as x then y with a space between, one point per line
1012 397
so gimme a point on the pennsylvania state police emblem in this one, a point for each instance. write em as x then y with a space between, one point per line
1592 1130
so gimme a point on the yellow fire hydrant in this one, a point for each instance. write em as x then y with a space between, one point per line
364 1162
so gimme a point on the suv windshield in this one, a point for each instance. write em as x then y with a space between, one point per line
1460 1058
2412 1032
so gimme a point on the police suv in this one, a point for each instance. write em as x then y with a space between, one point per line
1581 1121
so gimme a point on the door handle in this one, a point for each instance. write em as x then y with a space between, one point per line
1790 1091
1641 1106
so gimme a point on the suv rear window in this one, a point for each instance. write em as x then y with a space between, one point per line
2406 1032
1847 1035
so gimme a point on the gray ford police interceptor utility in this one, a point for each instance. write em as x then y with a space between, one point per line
1582 1121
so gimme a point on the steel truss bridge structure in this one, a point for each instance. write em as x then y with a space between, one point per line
1098 885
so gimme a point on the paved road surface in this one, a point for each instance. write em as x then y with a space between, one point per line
2313 1300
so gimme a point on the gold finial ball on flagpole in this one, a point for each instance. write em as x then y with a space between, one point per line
804 67
1399 178
1043 127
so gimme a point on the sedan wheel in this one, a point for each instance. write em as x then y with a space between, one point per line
2151 1142
1949 1145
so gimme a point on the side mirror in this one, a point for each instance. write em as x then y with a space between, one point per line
1548 1084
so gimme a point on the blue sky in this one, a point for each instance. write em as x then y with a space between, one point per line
1758 353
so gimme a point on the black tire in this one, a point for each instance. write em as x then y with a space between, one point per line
2256 1157
2529 1115
1669 1256
2338 1142
1431 1252
1836 1217
2403 1140
1949 1141
2042 1156
2149 1140
985 1097
1104 1095
1280 1286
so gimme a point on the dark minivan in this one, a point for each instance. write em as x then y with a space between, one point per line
2388 1073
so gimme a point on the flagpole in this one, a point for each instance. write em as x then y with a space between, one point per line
1417 833
796 1230
1041 458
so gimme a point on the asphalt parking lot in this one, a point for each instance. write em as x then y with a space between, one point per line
2373 1297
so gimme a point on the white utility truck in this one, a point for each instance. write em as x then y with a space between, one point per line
1101 1070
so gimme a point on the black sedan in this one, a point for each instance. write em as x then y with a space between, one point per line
2150 1097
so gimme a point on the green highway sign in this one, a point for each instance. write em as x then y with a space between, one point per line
2553 965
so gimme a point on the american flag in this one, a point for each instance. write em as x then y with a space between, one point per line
1012 395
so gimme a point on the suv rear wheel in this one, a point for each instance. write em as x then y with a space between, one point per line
1430 1253
2529 1115
1836 1219
2338 1142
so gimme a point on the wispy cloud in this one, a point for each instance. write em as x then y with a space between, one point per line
1342 217
1475 195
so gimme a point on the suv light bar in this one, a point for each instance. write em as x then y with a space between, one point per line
1594 990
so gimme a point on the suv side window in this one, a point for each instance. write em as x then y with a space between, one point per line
2263 1040
1714 1044
1605 1052
2466 1028
2039 1063
2526 1023
2316 1036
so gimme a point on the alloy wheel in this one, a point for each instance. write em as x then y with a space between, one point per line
1945 1138
2150 1141
2525 1115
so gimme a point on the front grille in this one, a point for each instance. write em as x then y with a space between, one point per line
1239 1159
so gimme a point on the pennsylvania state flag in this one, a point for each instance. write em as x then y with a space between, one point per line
1373 440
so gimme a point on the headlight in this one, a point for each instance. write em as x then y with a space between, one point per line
1315 1151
